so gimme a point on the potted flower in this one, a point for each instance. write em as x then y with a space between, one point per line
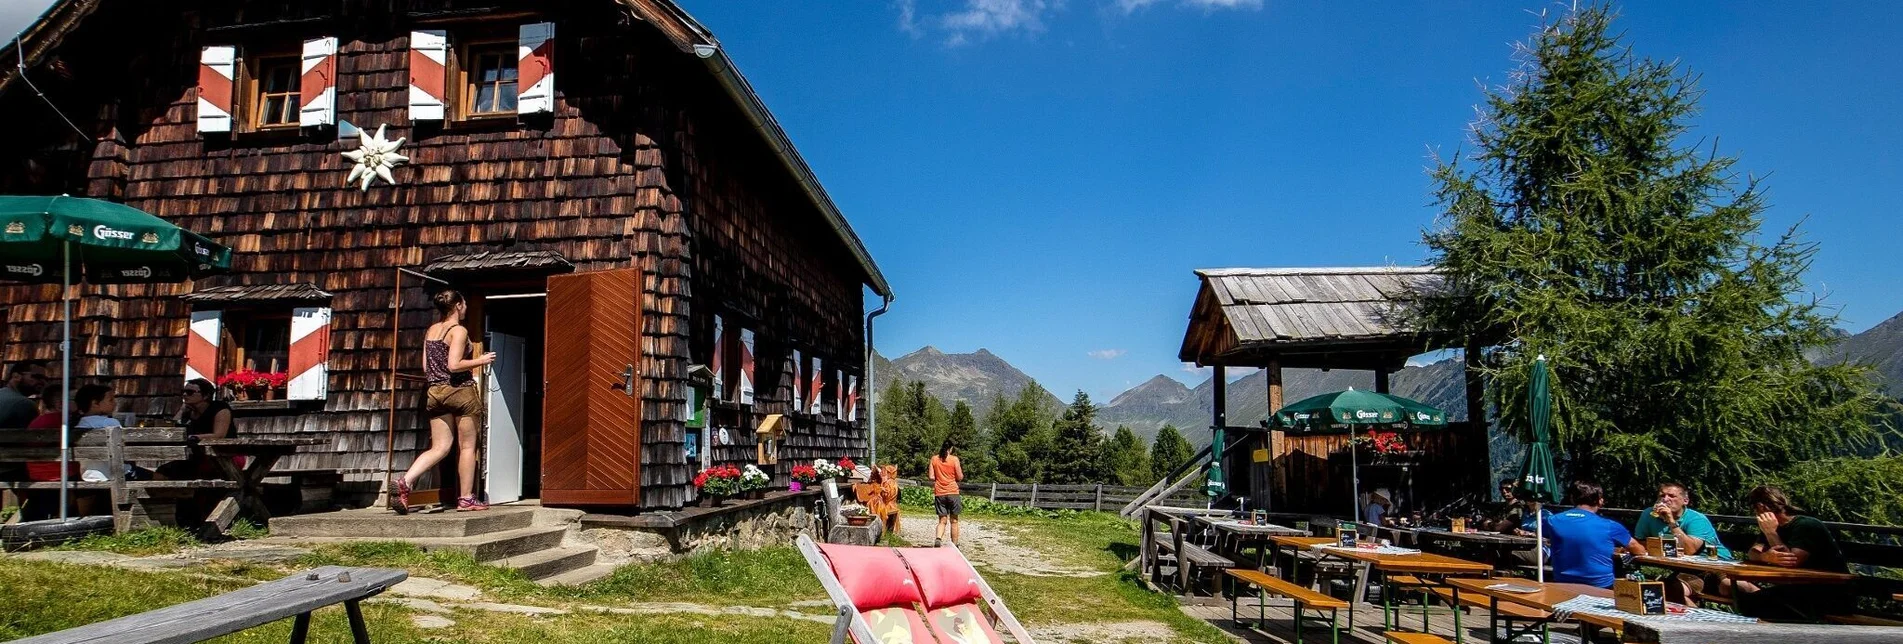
846 468
717 483
857 515
753 482
803 475
826 470
1382 446
251 384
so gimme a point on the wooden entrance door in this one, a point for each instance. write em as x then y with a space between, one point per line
591 427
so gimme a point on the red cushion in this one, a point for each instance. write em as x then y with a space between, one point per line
46 471
943 576
891 625
873 577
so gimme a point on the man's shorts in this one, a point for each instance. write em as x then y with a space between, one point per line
950 505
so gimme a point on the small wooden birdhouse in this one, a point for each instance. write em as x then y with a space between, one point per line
768 437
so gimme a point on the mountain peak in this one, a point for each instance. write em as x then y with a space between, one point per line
928 351
985 352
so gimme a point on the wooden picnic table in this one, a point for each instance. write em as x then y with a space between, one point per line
293 596
261 454
1749 571
1550 594
1233 533
1487 538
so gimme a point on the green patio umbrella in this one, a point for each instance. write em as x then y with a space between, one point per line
1213 483
1350 410
1537 480
44 239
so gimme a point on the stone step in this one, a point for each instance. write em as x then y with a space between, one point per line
379 523
578 576
497 545
543 564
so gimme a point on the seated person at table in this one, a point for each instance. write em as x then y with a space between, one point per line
204 416
1514 513
1791 540
1671 517
1584 542
1376 512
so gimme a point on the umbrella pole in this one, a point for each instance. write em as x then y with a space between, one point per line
1539 543
1354 475
65 372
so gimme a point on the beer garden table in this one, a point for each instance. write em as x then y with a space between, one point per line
1235 532
1749 571
1549 598
261 454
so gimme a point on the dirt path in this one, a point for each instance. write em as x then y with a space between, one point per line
990 547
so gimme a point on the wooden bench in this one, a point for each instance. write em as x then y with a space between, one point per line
1190 557
1687 632
1415 638
293 596
1506 613
1864 620
135 504
1266 585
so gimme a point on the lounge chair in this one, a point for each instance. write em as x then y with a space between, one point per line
909 596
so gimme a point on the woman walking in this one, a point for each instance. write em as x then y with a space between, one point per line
454 400
946 472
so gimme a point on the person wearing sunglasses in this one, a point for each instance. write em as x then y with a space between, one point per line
204 416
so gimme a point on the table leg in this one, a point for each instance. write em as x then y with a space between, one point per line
1298 621
358 631
300 627
1361 593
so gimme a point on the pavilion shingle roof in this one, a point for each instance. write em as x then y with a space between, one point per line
257 292
1282 305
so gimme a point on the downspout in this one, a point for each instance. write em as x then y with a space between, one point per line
872 390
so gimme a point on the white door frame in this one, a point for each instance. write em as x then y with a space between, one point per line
503 447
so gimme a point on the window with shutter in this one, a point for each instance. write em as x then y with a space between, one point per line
217 73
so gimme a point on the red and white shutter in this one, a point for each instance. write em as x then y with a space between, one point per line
720 359
535 69
201 345
429 74
746 366
839 394
310 354
317 88
799 382
852 399
815 385
217 72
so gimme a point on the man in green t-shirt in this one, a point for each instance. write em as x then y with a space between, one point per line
1791 541
1672 517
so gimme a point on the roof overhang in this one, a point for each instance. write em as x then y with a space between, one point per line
1328 318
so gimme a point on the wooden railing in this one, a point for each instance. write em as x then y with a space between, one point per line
1051 496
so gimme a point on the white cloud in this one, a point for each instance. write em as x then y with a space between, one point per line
977 20
1132 6
1107 354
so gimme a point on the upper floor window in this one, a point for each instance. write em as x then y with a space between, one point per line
489 79
275 81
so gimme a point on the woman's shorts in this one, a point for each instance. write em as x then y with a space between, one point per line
446 400
949 505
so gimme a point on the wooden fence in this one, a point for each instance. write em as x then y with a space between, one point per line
1088 496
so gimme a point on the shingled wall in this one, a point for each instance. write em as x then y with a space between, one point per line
645 164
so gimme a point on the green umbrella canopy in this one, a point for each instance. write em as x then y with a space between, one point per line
111 242
1351 408
1537 479
1214 484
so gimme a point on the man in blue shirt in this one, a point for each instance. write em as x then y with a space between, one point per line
1584 542
1671 517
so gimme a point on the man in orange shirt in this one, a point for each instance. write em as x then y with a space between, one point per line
946 473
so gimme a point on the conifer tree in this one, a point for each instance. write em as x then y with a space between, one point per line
1129 458
1591 225
1077 454
964 435
1168 452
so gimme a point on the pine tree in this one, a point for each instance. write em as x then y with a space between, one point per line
1129 458
1167 453
964 435
1020 436
1077 454
1582 229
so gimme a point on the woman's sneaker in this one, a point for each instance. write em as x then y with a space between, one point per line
399 496
470 504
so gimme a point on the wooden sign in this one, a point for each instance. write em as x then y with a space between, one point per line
1639 597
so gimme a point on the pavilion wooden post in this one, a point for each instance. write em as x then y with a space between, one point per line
1221 419
1381 380
1264 475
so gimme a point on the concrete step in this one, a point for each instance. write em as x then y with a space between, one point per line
578 576
380 523
543 564
498 545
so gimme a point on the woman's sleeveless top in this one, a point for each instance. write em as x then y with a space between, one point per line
436 365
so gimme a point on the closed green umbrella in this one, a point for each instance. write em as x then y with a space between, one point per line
49 239
1537 481
1351 409
1213 483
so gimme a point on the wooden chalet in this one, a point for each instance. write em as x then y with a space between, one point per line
1321 318
616 226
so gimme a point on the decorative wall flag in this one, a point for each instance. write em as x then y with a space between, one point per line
799 382
815 383
720 359
317 88
429 73
839 395
217 72
852 399
535 69
310 354
746 366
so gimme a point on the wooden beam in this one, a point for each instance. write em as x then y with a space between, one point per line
1381 381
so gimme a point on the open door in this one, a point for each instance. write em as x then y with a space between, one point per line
591 428
502 477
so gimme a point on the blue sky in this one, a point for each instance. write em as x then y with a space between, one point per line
1039 177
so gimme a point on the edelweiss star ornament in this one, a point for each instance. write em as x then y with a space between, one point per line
374 156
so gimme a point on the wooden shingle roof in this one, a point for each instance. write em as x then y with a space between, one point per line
299 291
1244 314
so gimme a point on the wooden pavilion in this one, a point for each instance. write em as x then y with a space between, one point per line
1321 318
